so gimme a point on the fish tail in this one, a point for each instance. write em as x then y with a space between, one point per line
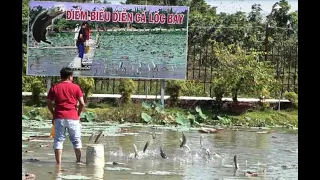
47 42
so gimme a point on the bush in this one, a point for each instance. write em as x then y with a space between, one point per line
86 84
292 97
220 89
174 88
44 112
129 113
36 89
126 88
193 88
264 94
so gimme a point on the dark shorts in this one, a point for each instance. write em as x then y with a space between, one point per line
80 50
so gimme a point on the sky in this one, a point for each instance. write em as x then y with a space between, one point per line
232 6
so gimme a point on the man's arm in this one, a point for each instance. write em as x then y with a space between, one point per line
50 98
50 105
81 101
81 105
81 32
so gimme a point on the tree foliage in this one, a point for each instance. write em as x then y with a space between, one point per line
126 88
240 71
174 89
86 84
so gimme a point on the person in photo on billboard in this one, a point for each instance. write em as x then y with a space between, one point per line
82 37
65 95
76 33
87 31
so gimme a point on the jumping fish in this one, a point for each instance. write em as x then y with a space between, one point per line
153 134
187 147
183 140
135 151
43 20
162 154
201 147
145 146
208 152
253 174
90 138
98 137
201 137
236 166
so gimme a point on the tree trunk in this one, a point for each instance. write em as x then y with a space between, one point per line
235 96
218 102
236 90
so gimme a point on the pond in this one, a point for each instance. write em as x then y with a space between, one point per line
276 152
138 52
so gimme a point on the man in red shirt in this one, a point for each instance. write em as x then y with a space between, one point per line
65 95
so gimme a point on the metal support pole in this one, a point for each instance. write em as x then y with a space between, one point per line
48 79
279 101
162 91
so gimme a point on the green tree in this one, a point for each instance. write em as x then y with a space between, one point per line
37 89
86 84
240 72
255 33
126 88
174 88
220 89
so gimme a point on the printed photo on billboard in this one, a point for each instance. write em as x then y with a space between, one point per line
107 41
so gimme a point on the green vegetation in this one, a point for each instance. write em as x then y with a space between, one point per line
37 89
287 119
86 84
126 88
174 89
154 113
292 97
239 71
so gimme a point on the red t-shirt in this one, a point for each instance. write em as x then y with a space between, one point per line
87 31
65 94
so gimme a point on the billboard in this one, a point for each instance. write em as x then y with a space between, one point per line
119 41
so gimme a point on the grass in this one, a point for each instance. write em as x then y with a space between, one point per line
288 118
132 114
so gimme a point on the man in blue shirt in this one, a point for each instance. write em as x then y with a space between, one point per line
81 40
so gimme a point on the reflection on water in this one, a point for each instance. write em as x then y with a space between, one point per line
275 152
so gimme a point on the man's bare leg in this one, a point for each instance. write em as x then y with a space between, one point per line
58 154
58 170
77 151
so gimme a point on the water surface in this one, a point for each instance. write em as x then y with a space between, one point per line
277 152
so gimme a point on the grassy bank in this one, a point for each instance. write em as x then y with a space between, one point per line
137 113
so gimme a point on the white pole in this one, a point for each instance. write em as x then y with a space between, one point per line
162 91
48 83
279 101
